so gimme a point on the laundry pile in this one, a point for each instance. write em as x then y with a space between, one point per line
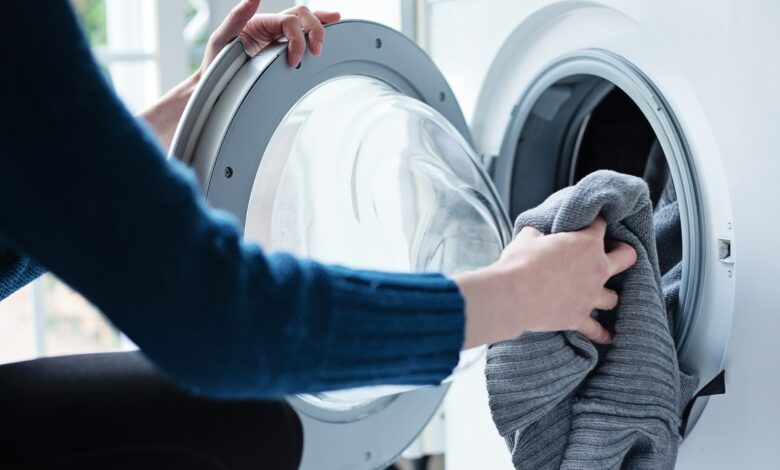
562 402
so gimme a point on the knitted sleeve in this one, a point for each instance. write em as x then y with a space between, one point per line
89 194
16 270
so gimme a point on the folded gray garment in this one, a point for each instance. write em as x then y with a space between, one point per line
561 402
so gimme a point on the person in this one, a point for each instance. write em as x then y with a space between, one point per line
87 193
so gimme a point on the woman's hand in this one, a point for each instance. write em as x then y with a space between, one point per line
544 283
256 31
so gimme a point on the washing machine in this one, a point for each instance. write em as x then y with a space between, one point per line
377 156
700 74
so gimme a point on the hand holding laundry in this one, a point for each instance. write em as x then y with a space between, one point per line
578 261
562 403
545 283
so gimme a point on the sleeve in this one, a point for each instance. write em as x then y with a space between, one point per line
16 270
88 193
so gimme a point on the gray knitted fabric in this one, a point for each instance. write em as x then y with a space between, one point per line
561 402
668 240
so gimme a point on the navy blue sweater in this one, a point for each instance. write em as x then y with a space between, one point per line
86 192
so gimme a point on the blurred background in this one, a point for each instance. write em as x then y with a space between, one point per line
145 47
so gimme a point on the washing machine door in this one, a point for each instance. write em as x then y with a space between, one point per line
359 157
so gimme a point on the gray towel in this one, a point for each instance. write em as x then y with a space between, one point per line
561 402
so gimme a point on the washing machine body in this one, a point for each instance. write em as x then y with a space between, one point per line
701 73
535 80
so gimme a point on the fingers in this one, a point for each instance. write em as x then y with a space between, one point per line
598 228
620 256
292 29
258 31
593 330
312 22
608 300
312 25
238 17
327 17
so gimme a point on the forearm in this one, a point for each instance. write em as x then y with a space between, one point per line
163 117
485 324
94 200
499 303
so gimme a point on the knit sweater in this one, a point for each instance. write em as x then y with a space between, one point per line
87 192
560 401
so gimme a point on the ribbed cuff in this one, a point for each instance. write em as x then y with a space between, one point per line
392 328
16 270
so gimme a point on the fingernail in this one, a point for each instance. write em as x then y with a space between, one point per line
318 48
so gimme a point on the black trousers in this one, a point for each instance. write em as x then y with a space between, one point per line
115 411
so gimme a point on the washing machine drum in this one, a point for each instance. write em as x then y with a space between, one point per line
360 157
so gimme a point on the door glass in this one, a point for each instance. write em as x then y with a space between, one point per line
360 175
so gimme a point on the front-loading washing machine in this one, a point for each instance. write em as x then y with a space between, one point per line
701 74
363 157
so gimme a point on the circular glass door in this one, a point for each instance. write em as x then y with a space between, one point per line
361 175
